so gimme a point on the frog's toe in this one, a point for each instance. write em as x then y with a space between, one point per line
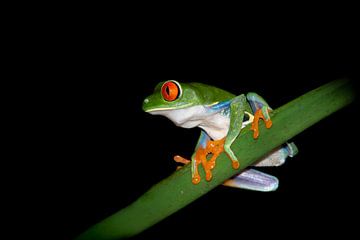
256 131
268 123
208 176
180 159
235 164
211 164
196 179
259 114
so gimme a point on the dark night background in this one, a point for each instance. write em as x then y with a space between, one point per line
102 151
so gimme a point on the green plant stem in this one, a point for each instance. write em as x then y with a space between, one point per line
177 191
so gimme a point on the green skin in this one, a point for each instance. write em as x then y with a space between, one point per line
198 94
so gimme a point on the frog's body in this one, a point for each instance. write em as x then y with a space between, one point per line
213 119
221 115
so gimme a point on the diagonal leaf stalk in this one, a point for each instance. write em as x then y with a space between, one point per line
177 191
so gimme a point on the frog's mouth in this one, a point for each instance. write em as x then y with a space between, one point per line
186 117
148 108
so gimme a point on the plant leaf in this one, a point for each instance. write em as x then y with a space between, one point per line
177 191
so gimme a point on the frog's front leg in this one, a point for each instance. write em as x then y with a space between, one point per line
237 109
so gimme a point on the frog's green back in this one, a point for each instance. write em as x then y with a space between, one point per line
210 94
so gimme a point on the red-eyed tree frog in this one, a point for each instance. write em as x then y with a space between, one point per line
221 116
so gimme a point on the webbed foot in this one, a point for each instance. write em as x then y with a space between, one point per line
213 148
194 165
255 124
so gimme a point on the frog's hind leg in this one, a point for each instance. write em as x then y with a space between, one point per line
252 179
278 156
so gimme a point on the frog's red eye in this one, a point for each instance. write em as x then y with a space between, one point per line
170 91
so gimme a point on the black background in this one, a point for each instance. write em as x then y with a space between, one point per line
100 151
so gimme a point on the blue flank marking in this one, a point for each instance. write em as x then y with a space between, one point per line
221 105
204 138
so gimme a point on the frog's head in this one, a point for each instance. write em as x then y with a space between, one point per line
171 95
183 103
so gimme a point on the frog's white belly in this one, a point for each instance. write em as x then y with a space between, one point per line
215 124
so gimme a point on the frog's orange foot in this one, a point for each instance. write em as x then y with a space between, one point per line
196 179
180 159
268 123
235 164
255 124
208 176
215 148
211 164
256 132
208 167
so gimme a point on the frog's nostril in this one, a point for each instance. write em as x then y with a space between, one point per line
146 100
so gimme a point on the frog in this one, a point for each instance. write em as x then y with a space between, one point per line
221 115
